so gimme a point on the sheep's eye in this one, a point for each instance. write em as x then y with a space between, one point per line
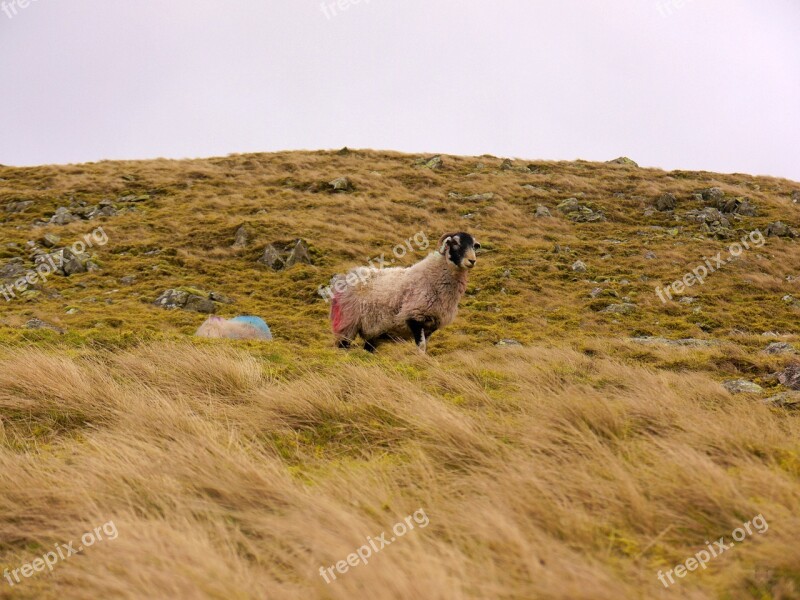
477 246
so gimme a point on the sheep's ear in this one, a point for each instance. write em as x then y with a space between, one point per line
447 239
444 243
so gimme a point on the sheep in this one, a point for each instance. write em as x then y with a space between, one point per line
403 302
238 328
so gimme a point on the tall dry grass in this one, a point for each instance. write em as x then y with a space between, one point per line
545 473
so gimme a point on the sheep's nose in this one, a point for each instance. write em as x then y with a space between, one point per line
471 262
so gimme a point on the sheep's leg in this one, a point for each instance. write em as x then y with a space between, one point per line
371 345
418 330
343 344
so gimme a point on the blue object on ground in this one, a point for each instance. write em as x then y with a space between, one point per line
256 322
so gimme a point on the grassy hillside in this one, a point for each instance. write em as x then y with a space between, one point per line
576 464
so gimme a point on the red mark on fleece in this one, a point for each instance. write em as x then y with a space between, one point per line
336 314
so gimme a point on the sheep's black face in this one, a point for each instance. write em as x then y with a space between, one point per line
459 249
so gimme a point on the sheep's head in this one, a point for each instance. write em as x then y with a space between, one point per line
459 249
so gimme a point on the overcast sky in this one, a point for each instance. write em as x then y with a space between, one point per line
691 84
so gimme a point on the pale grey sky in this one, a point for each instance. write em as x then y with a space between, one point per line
692 84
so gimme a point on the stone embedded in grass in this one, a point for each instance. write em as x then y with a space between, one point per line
784 400
579 213
50 240
666 202
682 343
506 165
241 237
579 266
790 376
713 196
472 198
781 229
13 270
341 185
63 216
66 262
282 255
780 348
742 386
542 212
39 324
186 299
625 308
433 163
18 207
135 198
506 343
623 160
796 197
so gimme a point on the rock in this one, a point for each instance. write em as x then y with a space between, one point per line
282 255
620 309
579 267
714 196
128 280
542 212
506 343
201 305
341 185
780 229
272 258
39 324
66 262
50 240
298 254
780 348
506 165
596 292
578 213
708 215
18 207
687 300
172 299
473 198
63 216
741 386
344 151
186 300
13 270
666 202
683 343
790 376
433 163
623 160
784 400
712 220
241 237
738 206
221 298
796 197
569 205
135 198
650 255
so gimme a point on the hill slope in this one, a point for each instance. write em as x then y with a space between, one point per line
577 464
